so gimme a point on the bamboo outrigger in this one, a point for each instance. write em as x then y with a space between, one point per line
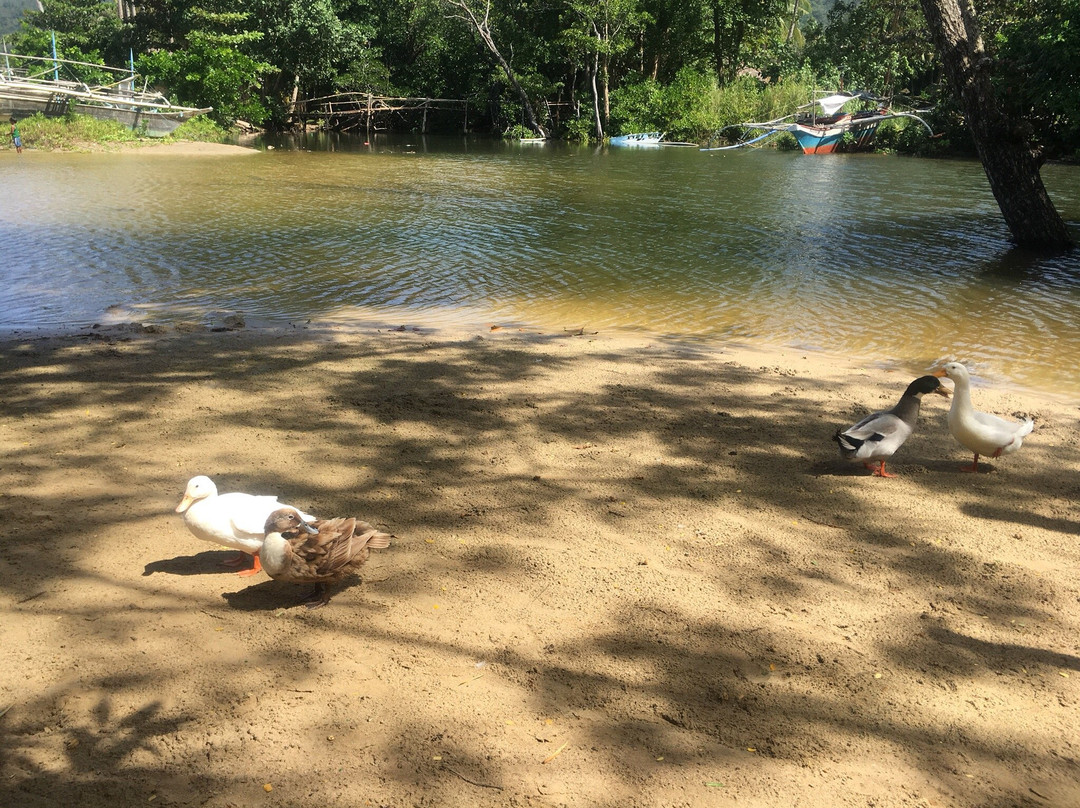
26 89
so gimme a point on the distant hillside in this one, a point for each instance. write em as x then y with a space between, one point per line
11 12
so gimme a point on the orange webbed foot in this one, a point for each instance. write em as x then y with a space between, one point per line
880 470
256 567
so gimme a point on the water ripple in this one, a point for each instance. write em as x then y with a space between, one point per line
905 260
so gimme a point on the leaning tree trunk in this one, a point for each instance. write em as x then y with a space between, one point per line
596 99
483 30
1010 163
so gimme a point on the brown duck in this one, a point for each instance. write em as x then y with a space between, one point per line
322 552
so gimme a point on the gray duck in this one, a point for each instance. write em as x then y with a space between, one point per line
880 434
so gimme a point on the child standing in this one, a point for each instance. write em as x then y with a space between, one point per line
15 137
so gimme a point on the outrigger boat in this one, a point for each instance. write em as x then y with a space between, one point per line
638 139
820 126
26 89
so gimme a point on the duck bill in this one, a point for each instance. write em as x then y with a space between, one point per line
304 526
185 503
940 373
943 391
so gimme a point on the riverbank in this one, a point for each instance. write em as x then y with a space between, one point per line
84 133
624 572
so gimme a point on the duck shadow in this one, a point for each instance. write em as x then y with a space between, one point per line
264 596
209 562
272 595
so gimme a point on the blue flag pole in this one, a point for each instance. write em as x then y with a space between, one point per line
55 64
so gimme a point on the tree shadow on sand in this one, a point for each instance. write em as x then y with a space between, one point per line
440 441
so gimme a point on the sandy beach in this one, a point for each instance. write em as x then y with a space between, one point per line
625 572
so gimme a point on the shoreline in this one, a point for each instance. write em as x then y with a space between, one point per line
193 148
460 331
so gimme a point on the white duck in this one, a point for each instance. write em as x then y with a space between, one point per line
981 432
233 520
880 434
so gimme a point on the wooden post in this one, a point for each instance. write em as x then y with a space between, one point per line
368 130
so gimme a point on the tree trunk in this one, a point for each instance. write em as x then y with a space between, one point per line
294 97
605 94
596 98
484 31
1010 163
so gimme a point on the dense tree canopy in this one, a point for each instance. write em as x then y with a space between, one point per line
577 68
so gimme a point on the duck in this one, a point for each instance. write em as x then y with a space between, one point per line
319 552
233 520
980 432
880 434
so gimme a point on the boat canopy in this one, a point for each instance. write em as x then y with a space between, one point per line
830 104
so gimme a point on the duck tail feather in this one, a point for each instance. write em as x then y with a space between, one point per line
848 444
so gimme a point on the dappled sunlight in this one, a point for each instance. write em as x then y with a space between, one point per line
657 574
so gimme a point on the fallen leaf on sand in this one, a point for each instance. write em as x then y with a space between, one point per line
555 754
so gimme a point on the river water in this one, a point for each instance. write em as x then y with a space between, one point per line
894 260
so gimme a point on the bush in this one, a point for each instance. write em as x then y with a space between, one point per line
206 76
200 128
580 130
73 132
636 107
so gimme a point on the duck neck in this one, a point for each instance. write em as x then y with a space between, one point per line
907 409
274 552
961 396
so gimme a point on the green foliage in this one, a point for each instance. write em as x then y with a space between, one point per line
638 107
206 76
579 130
878 45
200 128
744 32
688 106
210 61
747 99
693 108
306 39
686 109
677 66
785 141
907 136
72 132
675 34
87 30
1038 73
517 132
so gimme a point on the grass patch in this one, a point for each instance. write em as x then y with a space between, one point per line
201 129
74 132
